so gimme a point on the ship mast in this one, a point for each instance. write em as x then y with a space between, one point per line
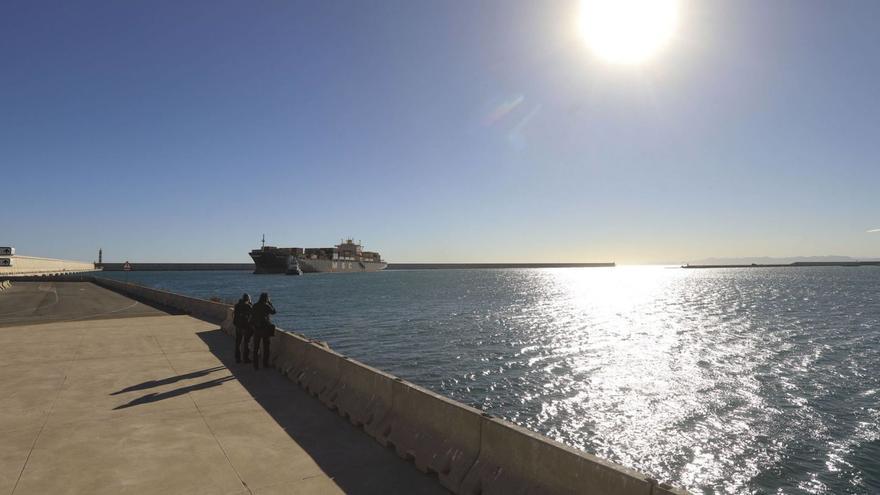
264 241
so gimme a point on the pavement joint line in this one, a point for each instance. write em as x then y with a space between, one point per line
65 320
78 350
205 421
37 437
77 358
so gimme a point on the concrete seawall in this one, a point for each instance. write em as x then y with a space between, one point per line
29 265
153 267
468 450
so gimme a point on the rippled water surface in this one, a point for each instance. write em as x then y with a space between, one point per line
722 380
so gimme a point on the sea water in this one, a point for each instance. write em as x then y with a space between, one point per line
756 380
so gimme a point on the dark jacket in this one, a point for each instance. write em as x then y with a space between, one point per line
263 326
243 311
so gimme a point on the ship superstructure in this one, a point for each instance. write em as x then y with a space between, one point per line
347 256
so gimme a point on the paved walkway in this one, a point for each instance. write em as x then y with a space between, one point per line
27 303
153 404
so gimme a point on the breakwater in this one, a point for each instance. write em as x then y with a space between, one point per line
484 266
469 451
171 267
154 267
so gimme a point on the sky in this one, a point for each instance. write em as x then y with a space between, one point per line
436 131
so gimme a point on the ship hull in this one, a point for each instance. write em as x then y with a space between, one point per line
340 266
265 263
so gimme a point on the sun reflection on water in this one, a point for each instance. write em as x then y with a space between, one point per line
719 381
671 371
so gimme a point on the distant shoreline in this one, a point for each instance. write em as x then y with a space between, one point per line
788 265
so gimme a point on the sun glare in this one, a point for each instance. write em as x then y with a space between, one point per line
628 31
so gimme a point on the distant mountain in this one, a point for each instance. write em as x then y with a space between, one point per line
767 260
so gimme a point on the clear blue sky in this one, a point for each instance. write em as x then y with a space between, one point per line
436 131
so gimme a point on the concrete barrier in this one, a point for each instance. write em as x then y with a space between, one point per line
363 395
227 325
439 435
514 460
290 354
320 372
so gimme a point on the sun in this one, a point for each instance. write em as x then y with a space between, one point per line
628 31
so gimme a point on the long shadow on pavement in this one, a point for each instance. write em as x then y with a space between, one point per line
355 461
345 453
155 397
169 380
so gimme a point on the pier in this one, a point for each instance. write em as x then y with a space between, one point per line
102 394
110 387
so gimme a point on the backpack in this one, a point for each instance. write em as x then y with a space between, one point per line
242 315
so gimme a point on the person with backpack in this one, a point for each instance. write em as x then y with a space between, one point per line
243 330
263 327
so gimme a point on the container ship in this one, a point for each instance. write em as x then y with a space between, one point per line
347 256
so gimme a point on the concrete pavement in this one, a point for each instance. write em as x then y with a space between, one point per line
27 303
128 399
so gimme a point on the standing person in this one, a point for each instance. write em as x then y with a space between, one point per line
263 328
243 331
